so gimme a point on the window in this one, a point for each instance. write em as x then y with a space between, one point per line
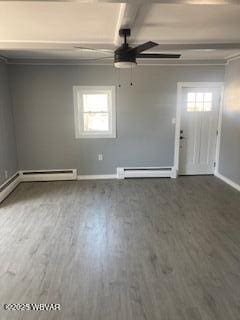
95 113
199 101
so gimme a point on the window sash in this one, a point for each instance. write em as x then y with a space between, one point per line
96 113
101 109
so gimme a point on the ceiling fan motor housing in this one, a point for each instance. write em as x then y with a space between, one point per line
123 55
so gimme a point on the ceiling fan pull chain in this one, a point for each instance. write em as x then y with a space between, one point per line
119 84
131 77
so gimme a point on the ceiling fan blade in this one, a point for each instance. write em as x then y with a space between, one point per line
143 47
94 59
93 49
106 53
158 55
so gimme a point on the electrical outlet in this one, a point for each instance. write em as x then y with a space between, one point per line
6 174
100 157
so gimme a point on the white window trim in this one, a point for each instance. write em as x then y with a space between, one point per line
78 107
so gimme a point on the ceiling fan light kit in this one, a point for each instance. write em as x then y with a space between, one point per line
125 64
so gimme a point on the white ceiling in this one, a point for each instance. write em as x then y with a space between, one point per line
58 21
51 30
191 23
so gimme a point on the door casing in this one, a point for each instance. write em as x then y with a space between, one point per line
180 87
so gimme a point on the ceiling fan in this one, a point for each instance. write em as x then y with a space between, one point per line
126 56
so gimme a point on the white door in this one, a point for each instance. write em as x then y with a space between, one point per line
198 135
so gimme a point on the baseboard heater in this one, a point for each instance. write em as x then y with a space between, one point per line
8 186
35 175
145 172
48 175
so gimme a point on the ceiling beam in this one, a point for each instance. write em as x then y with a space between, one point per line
197 46
32 45
122 12
127 16
52 45
139 2
191 2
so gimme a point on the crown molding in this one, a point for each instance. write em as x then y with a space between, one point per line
232 58
167 62
3 59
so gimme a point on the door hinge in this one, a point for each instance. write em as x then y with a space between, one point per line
217 132
214 164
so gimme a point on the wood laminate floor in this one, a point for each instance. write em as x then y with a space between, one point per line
147 249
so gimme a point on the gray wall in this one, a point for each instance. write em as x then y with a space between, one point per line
43 109
229 164
8 154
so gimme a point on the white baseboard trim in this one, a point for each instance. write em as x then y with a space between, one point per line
97 177
8 186
228 181
46 175
35 175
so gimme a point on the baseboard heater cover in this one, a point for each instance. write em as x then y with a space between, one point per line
8 186
146 172
48 175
